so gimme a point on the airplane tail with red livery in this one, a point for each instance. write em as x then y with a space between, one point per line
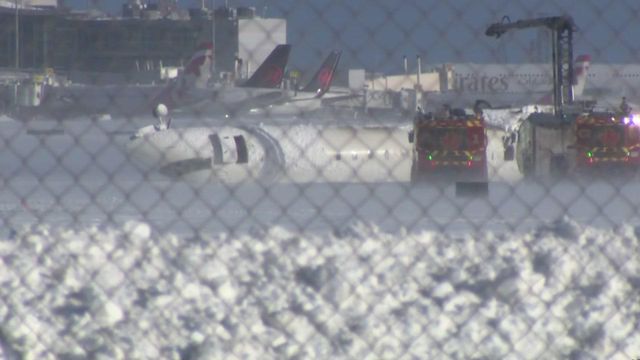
580 72
196 74
321 81
199 67
271 72
581 69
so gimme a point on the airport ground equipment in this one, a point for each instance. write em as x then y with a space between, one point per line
588 143
450 147
606 141
573 138
562 28
546 142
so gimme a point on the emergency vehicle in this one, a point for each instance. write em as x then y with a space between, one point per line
450 147
607 140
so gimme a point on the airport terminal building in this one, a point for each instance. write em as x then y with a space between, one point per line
146 37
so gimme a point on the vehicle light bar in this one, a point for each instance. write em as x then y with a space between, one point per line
632 120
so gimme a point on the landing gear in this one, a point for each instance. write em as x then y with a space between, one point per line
161 112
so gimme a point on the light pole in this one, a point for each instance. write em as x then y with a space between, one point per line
17 35
213 35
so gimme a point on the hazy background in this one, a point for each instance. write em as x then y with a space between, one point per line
375 34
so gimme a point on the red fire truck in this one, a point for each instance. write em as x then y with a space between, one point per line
606 140
450 147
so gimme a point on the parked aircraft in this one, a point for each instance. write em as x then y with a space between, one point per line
608 84
309 98
235 101
191 87
504 85
223 98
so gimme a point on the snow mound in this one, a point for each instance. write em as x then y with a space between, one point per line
562 291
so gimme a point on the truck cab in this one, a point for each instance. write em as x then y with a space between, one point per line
607 140
450 146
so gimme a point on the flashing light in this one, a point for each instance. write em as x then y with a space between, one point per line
469 163
430 157
632 120
589 154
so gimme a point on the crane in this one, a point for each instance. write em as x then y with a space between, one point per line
562 28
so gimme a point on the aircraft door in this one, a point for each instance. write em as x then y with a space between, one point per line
228 149
241 148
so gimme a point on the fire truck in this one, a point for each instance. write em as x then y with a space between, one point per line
606 141
573 137
450 147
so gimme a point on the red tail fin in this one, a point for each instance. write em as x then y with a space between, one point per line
196 73
199 66
271 71
321 81
581 68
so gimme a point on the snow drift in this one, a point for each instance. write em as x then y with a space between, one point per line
561 291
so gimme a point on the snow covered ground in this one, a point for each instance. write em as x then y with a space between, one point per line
561 291
99 260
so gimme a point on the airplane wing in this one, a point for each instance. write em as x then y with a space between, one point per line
332 99
256 102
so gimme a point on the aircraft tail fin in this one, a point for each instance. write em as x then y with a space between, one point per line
271 72
581 70
199 68
196 74
321 81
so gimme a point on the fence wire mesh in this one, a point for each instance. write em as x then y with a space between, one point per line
320 180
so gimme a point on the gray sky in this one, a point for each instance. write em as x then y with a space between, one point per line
374 34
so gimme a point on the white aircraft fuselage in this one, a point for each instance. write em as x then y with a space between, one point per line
299 153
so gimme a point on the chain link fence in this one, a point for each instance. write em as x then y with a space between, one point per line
404 188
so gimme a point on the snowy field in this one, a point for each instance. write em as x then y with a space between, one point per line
99 260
